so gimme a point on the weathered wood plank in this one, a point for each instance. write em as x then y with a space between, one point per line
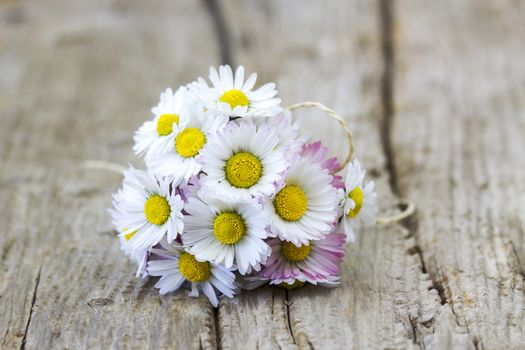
89 73
458 146
76 79
331 52
97 67
20 255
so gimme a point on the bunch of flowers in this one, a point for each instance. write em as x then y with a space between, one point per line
233 192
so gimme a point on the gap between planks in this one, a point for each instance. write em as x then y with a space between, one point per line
387 10
386 15
388 55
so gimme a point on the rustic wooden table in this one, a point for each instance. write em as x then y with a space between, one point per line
433 90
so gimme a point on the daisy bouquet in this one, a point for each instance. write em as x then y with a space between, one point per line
234 196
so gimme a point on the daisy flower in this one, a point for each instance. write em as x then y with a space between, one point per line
225 233
232 96
175 267
185 142
319 154
305 207
315 262
139 257
359 202
146 209
242 161
154 134
287 131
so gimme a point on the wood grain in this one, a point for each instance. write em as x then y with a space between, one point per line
433 92
458 146
385 300
89 74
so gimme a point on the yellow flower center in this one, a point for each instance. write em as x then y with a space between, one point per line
128 236
296 284
157 210
235 98
193 270
357 196
293 253
165 124
243 170
229 228
290 203
189 142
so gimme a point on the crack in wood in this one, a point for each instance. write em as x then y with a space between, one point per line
477 344
515 255
439 281
33 301
223 34
287 304
216 325
310 344
386 9
413 323
387 86
416 249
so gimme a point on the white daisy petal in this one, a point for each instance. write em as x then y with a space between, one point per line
239 78
234 237
239 168
306 206
146 210
359 202
179 158
210 293
153 135
250 82
232 96
316 261
175 267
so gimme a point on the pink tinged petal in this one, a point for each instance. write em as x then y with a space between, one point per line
275 271
271 262
311 276
269 270
287 270
312 266
336 252
325 264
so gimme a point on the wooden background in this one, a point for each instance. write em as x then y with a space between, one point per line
433 90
